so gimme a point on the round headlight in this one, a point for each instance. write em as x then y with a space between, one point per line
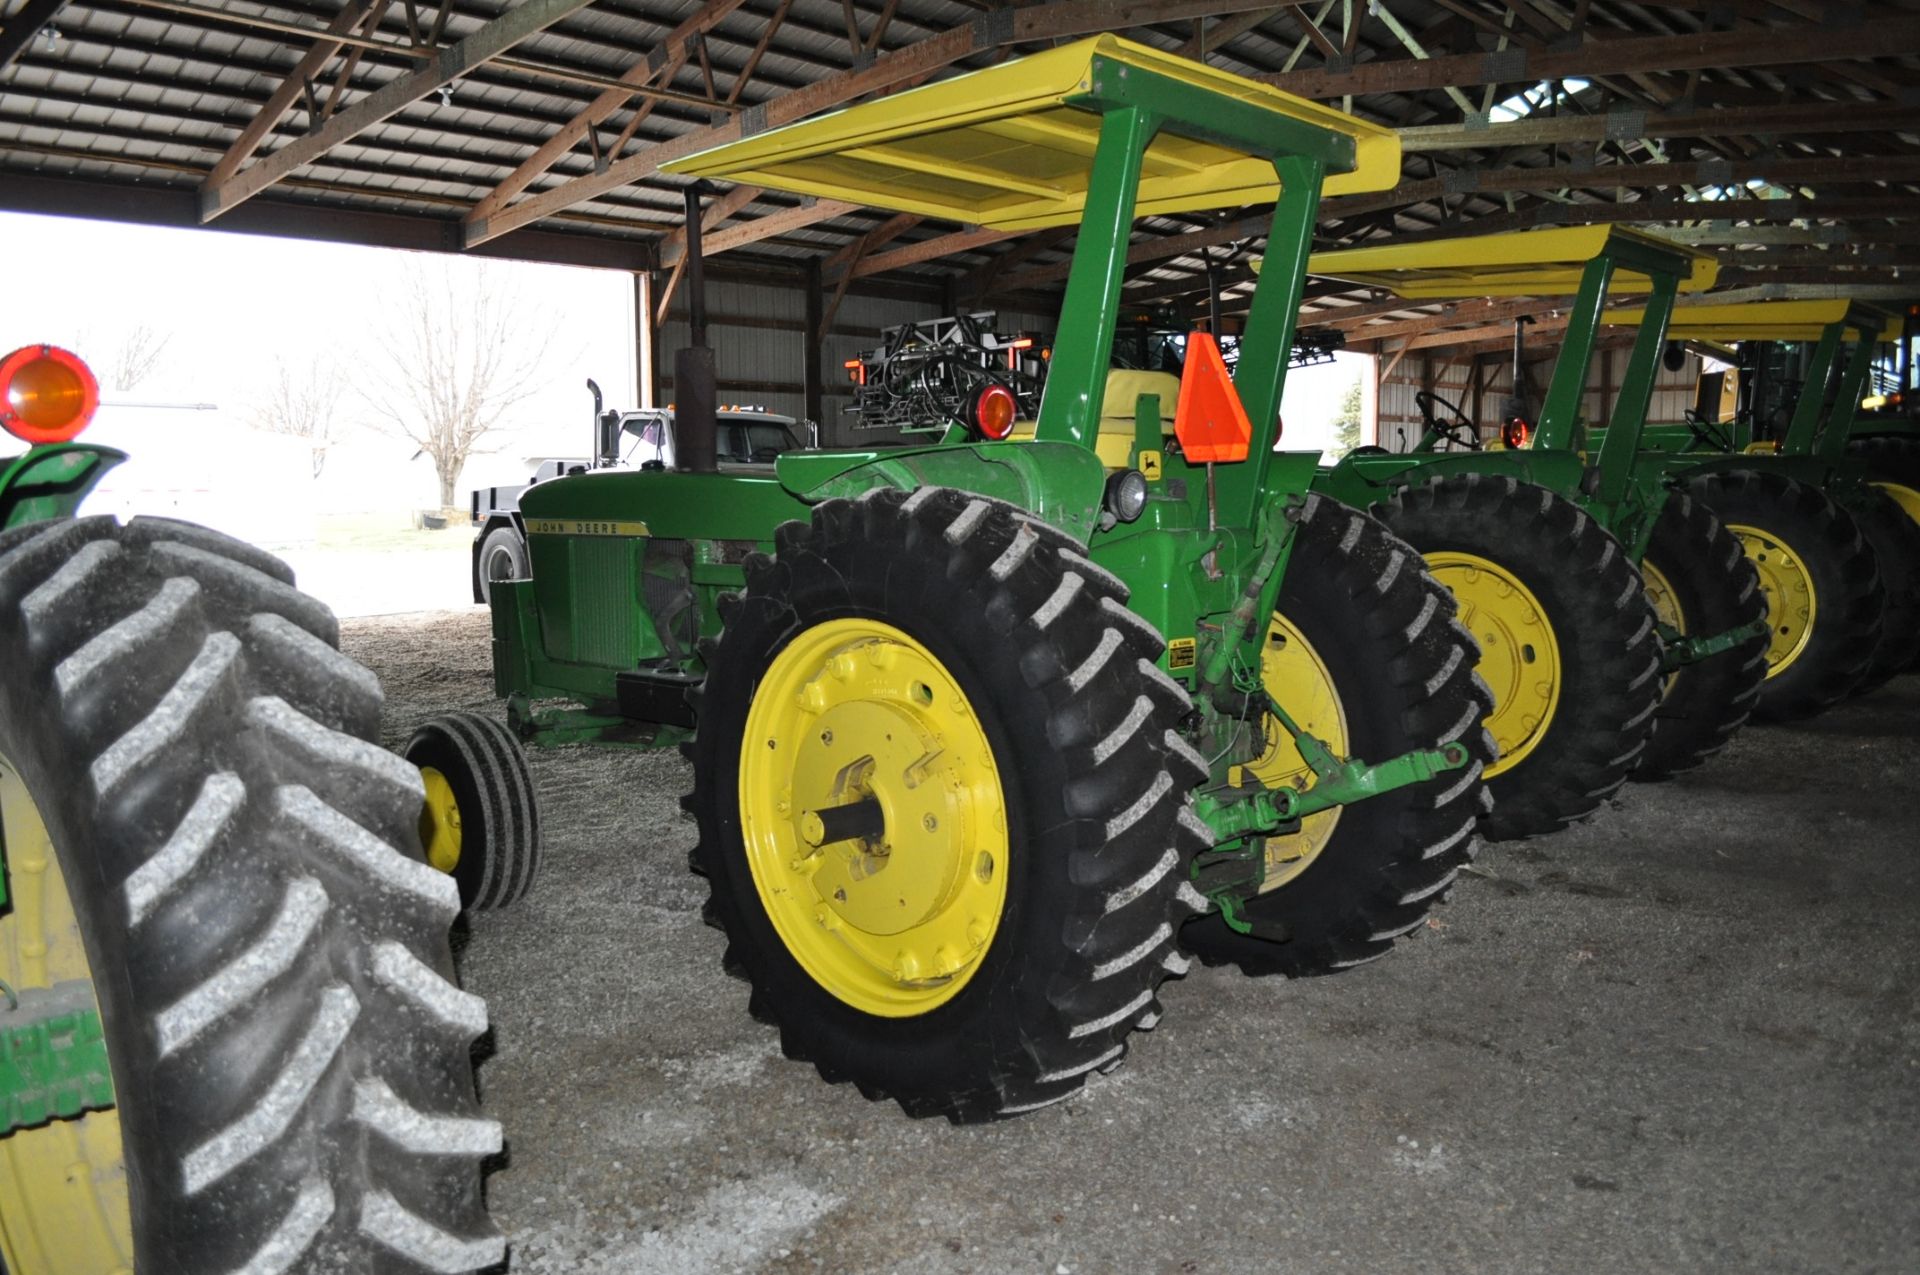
1126 496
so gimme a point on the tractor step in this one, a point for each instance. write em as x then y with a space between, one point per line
656 695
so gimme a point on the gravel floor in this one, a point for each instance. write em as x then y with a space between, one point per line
1682 1037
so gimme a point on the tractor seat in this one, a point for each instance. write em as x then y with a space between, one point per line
1124 388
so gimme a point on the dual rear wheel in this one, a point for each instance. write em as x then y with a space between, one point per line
942 788
1567 640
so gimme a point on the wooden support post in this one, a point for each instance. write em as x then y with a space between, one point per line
813 390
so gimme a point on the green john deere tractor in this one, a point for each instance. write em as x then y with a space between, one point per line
1539 539
1837 553
980 728
1886 430
229 1033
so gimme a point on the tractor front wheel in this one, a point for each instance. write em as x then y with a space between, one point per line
1365 654
503 556
480 821
1567 640
1700 583
1825 601
941 802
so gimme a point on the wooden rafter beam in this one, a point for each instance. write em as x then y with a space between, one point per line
929 250
1796 44
492 39
923 57
778 223
884 233
285 95
665 58
20 29
1620 125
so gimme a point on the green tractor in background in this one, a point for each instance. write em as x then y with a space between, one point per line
1885 435
1837 550
972 722
230 1036
1544 543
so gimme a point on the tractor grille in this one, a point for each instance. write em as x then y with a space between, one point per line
605 576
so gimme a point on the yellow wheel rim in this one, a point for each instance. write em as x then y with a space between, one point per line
1904 496
1792 603
856 714
1519 656
440 821
63 1186
1666 608
1296 676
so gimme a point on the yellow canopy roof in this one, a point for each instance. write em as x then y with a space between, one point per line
1531 263
1006 148
1759 320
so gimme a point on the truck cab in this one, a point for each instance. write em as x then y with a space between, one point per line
747 438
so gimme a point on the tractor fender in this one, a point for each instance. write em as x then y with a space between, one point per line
1060 483
51 481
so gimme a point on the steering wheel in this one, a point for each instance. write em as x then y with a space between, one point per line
1707 432
1460 429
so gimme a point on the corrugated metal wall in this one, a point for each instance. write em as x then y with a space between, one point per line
755 331
1399 425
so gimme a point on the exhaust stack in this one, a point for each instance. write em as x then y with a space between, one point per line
606 431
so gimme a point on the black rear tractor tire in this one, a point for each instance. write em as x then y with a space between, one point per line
1895 539
1893 465
270 963
1394 672
481 820
503 556
956 628
1497 541
1700 582
1824 597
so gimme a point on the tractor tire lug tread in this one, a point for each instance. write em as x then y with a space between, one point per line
247 1141
1034 1021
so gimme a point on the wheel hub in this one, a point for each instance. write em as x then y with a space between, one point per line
440 821
1792 602
1519 654
873 815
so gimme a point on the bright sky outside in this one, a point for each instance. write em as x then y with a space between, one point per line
235 310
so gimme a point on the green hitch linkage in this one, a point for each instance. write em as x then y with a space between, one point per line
1678 650
1259 598
1238 817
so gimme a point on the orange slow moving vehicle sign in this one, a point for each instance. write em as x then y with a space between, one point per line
1211 422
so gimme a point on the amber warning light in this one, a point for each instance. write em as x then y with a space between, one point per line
1516 433
47 394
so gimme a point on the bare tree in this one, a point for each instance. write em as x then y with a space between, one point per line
461 349
135 357
304 404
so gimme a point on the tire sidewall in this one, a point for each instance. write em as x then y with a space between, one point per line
950 620
499 541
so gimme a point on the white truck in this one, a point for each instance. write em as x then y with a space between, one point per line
637 438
